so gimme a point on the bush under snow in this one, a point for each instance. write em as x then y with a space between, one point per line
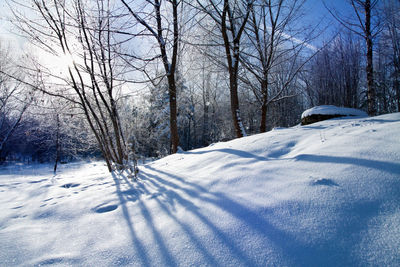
320 113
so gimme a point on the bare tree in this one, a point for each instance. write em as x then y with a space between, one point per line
332 77
392 33
81 33
272 41
364 26
157 26
231 18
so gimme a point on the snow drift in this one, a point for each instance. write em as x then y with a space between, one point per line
327 194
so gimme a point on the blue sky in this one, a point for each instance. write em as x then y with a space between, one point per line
318 9
315 11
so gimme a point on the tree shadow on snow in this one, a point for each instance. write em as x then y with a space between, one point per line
268 243
390 167
235 152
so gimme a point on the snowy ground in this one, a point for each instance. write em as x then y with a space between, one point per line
326 194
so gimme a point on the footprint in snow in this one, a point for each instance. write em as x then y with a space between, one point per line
37 181
59 261
103 208
324 181
69 185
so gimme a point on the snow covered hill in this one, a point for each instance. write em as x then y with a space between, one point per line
327 194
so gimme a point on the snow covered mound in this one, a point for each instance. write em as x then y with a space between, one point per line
326 194
325 112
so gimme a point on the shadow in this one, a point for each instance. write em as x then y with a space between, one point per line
324 181
380 120
294 251
222 238
37 181
235 152
59 261
254 236
166 207
277 153
105 208
70 185
389 167
137 244
313 127
168 260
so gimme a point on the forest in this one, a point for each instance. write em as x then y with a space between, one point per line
127 80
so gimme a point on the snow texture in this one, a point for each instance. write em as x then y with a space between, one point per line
282 198
333 110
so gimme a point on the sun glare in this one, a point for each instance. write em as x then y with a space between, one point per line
58 64
66 60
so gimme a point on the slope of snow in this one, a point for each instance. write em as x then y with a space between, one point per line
327 194
333 110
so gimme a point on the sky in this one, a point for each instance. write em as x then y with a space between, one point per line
7 33
4 13
315 12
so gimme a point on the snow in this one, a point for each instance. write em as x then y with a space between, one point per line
333 110
325 194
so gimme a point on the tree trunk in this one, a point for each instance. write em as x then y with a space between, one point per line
232 51
263 126
205 138
237 121
397 89
370 69
57 159
173 113
264 106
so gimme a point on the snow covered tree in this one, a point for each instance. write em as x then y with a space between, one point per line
15 98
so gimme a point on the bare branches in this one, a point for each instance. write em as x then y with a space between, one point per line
270 47
168 53
231 18
368 33
85 35
15 99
